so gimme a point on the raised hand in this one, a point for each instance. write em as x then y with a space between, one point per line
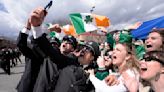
28 25
101 62
55 27
37 16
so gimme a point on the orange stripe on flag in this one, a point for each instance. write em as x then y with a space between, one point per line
102 20
69 30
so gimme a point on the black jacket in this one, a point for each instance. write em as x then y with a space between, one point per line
64 63
32 64
47 77
56 56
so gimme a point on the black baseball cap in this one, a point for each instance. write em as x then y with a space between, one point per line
94 46
55 40
71 39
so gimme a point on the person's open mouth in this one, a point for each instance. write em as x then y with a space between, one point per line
114 57
148 46
143 69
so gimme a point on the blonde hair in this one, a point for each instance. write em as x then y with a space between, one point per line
133 62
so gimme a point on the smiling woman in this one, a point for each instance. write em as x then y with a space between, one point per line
152 69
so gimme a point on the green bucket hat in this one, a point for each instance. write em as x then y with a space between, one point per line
125 38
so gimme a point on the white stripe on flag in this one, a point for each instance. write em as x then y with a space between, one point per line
90 26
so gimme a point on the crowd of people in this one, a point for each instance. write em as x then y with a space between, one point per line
9 57
70 66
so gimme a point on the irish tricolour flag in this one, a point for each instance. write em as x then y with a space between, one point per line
86 22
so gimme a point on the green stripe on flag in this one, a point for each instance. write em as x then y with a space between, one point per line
77 21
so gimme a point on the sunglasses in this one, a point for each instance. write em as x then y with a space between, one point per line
109 55
87 49
151 58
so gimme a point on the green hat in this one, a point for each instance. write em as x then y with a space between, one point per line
52 34
125 38
110 40
139 51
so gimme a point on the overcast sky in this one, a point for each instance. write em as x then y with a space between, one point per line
14 13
